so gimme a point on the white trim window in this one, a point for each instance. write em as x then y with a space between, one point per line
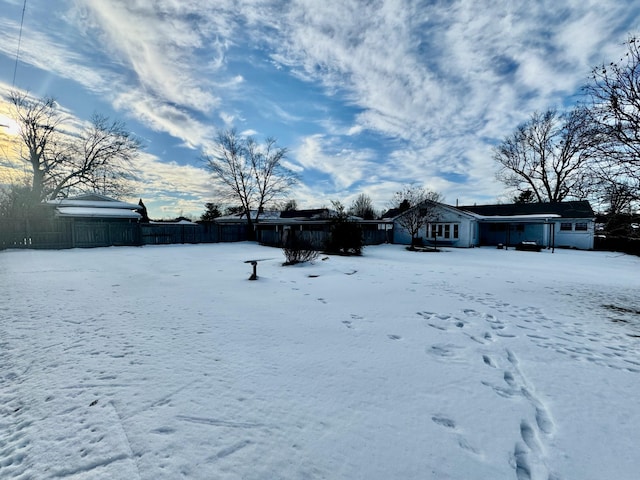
581 227
444 231
566 227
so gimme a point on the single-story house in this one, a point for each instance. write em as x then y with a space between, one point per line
564 224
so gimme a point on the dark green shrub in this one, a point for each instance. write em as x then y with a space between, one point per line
346 235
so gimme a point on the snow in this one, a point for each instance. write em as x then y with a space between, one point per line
493 218
105 202
96 212
166 362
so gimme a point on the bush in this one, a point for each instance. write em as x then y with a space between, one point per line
297 250
346 235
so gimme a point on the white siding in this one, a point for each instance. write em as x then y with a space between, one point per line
575 238
446 216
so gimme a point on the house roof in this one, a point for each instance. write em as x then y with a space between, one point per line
242 218
94 212
94 206
577 209
92 200
308 214
394 213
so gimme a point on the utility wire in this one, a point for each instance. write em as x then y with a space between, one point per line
15 68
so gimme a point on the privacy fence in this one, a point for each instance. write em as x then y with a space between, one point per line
50 232
630 245
317 236
58 233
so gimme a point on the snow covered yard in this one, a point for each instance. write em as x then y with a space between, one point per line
167 363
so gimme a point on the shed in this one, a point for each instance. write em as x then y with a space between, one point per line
97 221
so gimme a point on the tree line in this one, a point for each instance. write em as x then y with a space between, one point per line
590 152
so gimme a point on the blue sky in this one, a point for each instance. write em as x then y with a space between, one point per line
366 95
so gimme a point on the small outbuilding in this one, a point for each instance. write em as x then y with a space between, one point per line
94 220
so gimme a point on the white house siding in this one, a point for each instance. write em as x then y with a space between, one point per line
445 216
575 238
400 235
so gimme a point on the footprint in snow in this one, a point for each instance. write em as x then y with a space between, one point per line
488 361
443 421
444 351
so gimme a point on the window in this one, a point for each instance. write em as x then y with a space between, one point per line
581 227
443 230
565 227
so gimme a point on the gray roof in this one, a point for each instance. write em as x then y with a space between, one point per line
576 209
94 205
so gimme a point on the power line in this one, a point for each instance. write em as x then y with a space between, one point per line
15 68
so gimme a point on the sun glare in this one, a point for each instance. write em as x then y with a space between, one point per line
8 125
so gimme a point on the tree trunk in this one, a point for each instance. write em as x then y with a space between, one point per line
251 231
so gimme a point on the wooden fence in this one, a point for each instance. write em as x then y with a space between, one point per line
206 232
318 236
58 233
50 232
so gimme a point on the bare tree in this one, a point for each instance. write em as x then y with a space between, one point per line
619 198
249 173
39 120
289 205
362 207
421 208
98 159
614 91
549 155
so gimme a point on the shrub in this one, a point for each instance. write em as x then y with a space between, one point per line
346 235
297 250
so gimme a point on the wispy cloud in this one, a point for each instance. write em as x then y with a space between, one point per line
342 166
170 189
437 83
